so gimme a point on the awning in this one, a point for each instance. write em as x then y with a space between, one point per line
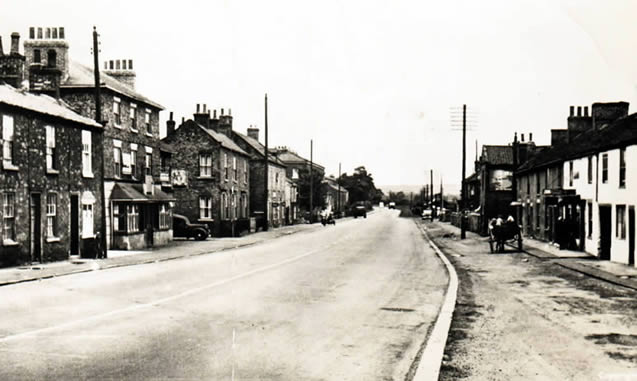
135 193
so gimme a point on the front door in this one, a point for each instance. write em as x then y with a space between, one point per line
605 231
149 218
36 228
631 235
75 225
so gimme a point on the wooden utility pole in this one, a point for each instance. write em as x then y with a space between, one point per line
431 186
266 174
339 190
463 233
103 253
311 182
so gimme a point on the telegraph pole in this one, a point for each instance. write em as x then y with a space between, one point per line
339 190
265 193
98 119
311 182
463 233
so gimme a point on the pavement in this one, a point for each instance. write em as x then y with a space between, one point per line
584 263
117 258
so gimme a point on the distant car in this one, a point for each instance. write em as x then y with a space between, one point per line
359 211
392 205
427 214
183 228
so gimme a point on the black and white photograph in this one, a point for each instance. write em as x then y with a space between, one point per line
246 190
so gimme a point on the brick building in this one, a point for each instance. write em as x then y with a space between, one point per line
213 173
336 197
137 209
50 180
276 202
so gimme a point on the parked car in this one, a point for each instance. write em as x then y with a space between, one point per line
359 211
392 205
182 227
427 214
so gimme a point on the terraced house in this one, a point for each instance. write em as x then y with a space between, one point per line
137 208
213 174
583 187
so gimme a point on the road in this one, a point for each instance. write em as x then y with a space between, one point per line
353 301
519 317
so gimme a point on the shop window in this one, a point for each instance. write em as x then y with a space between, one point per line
164 217
132 218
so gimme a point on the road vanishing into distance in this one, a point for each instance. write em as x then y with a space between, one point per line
353 301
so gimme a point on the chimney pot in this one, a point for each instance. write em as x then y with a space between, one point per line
1 49
221 111
123 64
105 65
214 114
117 64
515 139
204 108
579 110
15 43
61 32
522 137
197 108
230 112
39 33
585 110
48 33
54 33
112 64
530 136
572 111
171 116
32 33
130 64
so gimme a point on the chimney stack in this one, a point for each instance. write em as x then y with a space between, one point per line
15 43
121 70
224 125
579 110
170 125
201 117
253 132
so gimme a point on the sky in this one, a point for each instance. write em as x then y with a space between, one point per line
373 83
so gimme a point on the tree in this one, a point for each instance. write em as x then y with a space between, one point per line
360 186
318 198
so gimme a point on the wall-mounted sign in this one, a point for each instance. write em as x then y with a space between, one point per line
179 177
501 180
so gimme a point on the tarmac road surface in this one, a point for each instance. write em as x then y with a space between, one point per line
353 301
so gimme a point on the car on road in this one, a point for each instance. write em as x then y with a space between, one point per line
427 214
182 227
359 210
392 205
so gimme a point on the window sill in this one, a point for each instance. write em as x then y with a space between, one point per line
204 178
89 237
147 134
206 220
88 175
51 171
9 242
118 126
53 239
10 167
134 130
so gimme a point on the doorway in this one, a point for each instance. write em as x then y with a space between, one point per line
631 235
36 228
605 225
75 225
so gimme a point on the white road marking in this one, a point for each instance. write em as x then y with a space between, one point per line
136 307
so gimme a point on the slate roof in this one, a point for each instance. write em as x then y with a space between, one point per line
43 104
135 192
260 148
225 141
497 155
621 133
83 76
474 177
287 156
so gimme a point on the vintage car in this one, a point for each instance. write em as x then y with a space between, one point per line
182 227
427 214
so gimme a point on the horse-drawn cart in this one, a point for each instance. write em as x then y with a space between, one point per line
501 233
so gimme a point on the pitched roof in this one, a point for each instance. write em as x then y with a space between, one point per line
621 133
135 192
43 104
223 140
259 148
497 155
288 156
83 76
